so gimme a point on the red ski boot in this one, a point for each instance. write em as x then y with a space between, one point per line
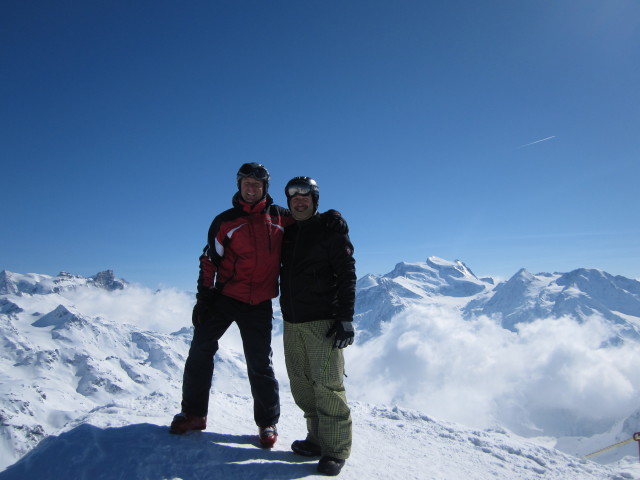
268 436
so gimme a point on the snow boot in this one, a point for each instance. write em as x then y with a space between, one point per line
183 423
306 448
330 465
268 436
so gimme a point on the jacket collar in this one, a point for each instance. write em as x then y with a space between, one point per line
258 207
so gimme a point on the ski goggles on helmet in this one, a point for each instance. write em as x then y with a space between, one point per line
303 189
254 170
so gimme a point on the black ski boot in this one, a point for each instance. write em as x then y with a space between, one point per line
330 466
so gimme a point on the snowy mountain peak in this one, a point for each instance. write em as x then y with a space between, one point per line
379 298
450 267
108 280
38 284
368 281
579 294
510 299
434 266
59 317
523 275
8 307
438 276
518 286
616 292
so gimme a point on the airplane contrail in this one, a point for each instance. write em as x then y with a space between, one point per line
537 141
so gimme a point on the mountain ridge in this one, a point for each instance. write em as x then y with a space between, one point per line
523 298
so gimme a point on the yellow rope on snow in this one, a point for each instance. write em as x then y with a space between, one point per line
636 437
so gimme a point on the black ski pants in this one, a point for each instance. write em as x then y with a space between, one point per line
255 324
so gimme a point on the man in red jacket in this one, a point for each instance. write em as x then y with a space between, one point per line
238 278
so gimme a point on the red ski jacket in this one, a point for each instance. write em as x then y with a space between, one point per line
242 257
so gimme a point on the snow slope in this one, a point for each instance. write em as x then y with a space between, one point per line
132 441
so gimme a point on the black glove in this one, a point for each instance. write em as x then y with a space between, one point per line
334 221
344 333
203 309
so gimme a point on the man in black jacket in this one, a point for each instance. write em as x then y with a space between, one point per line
317 299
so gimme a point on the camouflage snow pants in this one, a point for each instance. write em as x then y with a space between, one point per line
315 372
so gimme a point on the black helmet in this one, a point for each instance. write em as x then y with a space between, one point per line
254 170
303 186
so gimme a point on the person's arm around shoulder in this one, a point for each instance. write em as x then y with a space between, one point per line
334 221
282 216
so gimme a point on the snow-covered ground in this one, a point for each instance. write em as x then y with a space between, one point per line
119 441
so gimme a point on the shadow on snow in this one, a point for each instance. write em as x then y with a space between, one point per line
149 452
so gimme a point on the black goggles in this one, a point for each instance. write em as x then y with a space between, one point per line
259 172
299 189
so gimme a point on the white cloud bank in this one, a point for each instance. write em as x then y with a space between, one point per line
163 311
552 376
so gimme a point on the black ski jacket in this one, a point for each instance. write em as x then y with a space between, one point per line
318 275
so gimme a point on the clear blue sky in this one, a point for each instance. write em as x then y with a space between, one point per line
504 133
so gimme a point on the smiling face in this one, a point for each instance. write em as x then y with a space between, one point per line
251 190
301 206
300 203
